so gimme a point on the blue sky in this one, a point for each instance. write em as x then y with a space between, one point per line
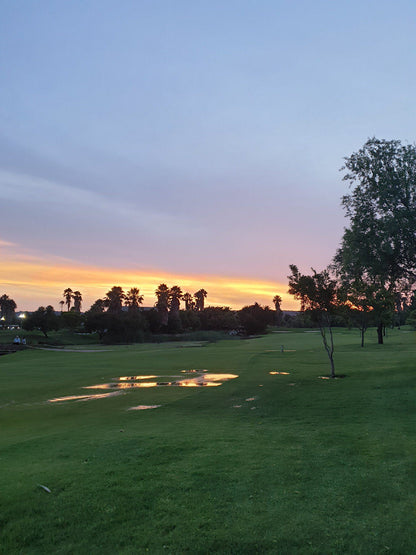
201 138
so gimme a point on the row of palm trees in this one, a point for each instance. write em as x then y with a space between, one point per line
71 296
168 300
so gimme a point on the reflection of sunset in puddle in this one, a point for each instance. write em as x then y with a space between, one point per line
281 373
144 407
128 382
202 380
121 385
84 397
131 378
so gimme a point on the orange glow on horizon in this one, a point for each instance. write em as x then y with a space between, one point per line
33 282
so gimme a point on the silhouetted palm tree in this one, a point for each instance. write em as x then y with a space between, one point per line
134 299
175 296
68 297
200 299
189 301
162 303
77 301
277 299
114 299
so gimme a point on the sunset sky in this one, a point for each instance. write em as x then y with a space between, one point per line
192 143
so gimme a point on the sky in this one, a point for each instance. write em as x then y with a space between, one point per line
192 143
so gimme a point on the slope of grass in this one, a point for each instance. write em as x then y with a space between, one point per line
262 464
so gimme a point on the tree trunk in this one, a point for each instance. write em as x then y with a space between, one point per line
380 333
331 358
362 337
328 347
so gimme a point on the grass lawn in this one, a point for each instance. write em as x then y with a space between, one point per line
284 463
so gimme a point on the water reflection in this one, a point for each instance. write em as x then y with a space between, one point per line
122 385
84 397
130 378
204 380
144 407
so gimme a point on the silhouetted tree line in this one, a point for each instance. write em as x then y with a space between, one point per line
119 316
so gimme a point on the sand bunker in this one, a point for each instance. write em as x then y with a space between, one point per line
281 373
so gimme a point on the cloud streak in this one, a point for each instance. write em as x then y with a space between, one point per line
31 190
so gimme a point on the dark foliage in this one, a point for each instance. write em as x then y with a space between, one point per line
43 319
255 318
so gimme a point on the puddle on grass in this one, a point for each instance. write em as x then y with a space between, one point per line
84 397
144 407
129 382
282 373
193 371
122 385
131 378
202 380
338 377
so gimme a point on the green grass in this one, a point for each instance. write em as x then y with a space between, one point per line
55 338
318 466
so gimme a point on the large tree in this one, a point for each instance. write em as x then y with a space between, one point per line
255 318
318 295
379 246
43 319
7 308
366 304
